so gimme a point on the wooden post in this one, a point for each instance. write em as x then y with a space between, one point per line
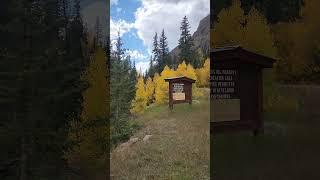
190 95
170 96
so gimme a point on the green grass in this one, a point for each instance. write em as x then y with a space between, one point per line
288 150
178 148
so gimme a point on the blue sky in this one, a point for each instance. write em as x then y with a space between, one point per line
138 20
125 10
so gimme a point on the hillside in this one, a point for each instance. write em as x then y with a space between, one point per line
201 38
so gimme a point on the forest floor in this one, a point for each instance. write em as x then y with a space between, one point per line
288 150
178 147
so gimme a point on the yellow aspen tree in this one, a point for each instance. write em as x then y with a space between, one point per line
249 31
297 43
140 101
182 69
199 76
150 87
162 87
228 30
258 36
155 79
203 74
92 127
190 73
206 73
95 98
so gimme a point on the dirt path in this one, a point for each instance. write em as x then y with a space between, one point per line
177 149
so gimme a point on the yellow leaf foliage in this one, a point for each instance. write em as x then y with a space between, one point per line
156 90
190 73
150 86
88 154
203 74
298 41
162 87
155 79
228 30
140 102
182 69
249 31
95 98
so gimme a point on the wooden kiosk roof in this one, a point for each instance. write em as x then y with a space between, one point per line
237 53
179 78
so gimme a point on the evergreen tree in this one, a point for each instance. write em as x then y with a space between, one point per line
175 62
119 52
152 68
187 53
164 58
40 88
133 77
122 91
156 53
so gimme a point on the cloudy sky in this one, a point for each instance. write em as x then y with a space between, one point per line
138 20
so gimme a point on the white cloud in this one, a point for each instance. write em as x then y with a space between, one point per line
154 15
142 67
121 25
136 55
113 2
141 60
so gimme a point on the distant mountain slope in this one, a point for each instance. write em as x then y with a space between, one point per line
201 38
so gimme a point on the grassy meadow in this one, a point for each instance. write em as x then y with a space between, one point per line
177 149
289 148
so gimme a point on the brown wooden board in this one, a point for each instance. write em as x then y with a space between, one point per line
180 90
236 89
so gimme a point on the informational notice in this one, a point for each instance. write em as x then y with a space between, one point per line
225 100
178 92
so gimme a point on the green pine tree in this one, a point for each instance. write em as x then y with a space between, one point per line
122 90
156 53
164 51
187 53
40 87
